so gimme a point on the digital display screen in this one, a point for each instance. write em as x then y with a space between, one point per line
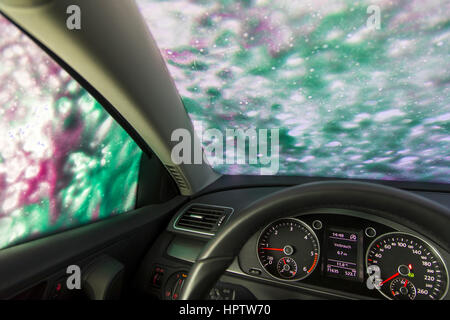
343 254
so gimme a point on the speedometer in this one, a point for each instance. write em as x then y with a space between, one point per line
410 268
288 249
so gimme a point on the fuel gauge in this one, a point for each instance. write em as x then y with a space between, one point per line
287 267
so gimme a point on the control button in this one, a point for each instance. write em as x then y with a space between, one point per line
228 294
370 232
215 294
174 285
254 272
222 294
317 224
157 275
59 290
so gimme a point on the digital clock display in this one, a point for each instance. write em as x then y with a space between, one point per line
343 254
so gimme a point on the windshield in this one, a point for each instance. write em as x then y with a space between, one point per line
357 89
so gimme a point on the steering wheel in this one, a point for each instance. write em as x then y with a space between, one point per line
413 211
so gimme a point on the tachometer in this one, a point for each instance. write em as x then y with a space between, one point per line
288 249
410 268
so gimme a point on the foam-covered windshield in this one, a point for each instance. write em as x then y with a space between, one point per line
357 89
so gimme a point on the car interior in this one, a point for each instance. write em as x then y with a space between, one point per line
224 150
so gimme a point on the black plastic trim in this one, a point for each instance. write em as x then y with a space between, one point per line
230 182
25 265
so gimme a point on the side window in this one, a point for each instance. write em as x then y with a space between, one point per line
64 161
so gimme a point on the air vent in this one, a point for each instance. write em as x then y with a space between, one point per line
201 218
178 177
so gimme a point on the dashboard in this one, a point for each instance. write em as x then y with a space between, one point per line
339 249
326 253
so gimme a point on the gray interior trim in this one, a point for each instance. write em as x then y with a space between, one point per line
24 3
115 52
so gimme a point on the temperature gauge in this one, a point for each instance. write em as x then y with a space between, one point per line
403 289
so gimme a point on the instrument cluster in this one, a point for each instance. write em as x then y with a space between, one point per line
348 253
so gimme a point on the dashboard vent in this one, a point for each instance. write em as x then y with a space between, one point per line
178 177
202 218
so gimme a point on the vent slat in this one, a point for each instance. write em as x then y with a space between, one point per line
177 176
194 226
202 219
194 212
199 218
198 221
207 210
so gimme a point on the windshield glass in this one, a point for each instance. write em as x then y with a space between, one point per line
358 89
